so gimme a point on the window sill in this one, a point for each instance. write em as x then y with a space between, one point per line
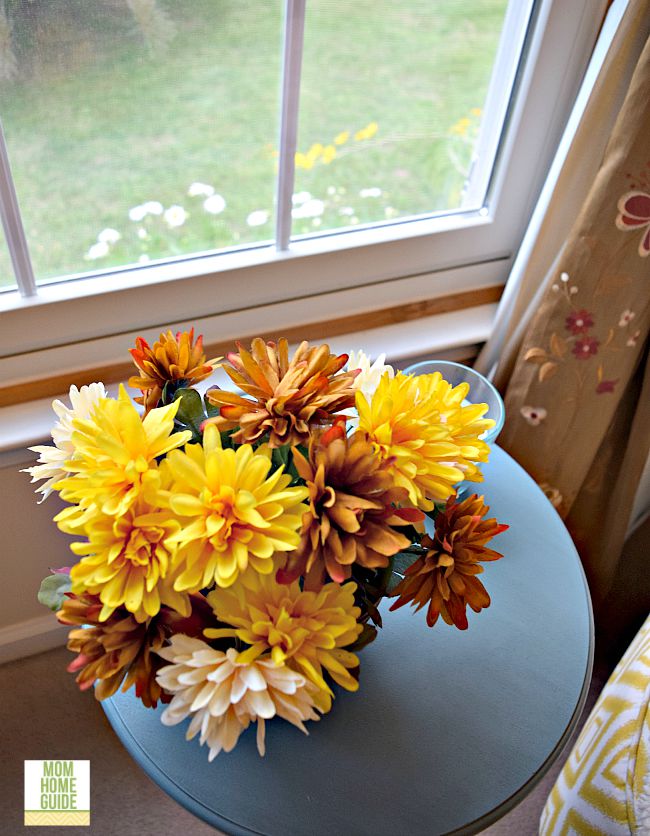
455 335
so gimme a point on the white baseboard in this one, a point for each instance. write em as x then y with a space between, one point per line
32 636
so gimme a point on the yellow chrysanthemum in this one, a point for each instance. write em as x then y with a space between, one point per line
467 423
427 439
234 513
305 630
128 562
114 459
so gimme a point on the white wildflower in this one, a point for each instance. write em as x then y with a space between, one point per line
373 192
153 207
137 214
310 209
109 236
200 190
300 197
175 216
98 250
142 233
214 204
257 218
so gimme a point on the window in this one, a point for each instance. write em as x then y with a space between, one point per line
143 136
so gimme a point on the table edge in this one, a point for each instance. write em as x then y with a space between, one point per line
517 797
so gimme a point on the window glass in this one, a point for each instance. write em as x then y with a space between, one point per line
7 278
391 104
140 129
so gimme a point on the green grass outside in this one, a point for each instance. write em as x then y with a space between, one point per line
95 124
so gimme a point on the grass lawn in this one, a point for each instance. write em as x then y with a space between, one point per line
96 124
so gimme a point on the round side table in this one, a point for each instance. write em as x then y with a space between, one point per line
448 731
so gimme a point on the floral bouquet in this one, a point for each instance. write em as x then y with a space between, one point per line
234 546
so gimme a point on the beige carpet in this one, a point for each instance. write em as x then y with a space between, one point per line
44 716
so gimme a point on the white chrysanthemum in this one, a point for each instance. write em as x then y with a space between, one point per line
109 236
215 204
200 190
224 696
51 459
368 379
98 250
175 216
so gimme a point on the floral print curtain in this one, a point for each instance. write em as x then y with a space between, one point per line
578 391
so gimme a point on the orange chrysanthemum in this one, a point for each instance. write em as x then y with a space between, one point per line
121 650
287 398
445 577
172 359
353 504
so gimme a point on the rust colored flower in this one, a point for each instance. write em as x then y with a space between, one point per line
579 321
585 348
445 577
353 504
172 359
121 650
286 397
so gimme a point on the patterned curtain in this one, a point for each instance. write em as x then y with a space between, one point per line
577 381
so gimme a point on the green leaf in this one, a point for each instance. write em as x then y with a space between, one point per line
170 391
283 456
53 589
226 440
401 563
211 409
190 413
366 636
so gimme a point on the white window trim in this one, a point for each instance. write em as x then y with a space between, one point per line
248 281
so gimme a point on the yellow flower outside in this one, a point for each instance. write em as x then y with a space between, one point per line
329 152
303 161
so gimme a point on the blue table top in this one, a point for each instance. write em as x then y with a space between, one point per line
448 730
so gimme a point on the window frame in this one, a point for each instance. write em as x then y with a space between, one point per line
47 330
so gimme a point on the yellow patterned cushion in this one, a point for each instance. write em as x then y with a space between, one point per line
604 787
